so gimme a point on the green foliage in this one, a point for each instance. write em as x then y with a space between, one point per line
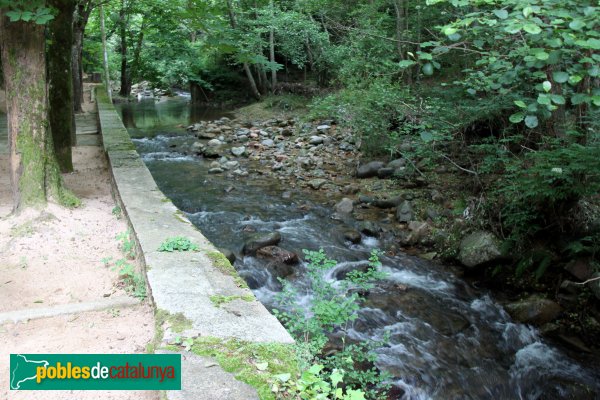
178 243
333 309
546 52
132 281
27 11
127 244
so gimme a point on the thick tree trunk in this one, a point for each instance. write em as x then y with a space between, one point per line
137 54
34 173
60 83
125 78
272 52
233 22
105 54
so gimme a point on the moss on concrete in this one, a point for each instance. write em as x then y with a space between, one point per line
220 262
218 300
241 359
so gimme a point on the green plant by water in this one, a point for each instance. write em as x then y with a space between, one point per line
177 243
333 309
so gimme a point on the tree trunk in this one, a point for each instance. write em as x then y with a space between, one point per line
80 20
137 54
233 22
60 83
272 52
34 173
105 54
125 78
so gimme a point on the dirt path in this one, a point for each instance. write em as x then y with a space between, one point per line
52 258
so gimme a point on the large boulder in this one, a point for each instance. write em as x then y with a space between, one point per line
213 152
404 212
278 254
479 248
261 240
534 310
369 170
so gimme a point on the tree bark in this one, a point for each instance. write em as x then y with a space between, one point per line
105 54
233 22
80 20
272 52
137 54
60 83
125 78
34 173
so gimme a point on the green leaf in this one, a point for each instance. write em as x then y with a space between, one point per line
596 101
594 71
14 15
543 99
449 30
579 98
542 55
532 28
425 56
315 369
527 11
520 103
560 76
577 24
502 14
558 99
406 63
426 136
593 43
262 366
336 377
575 79
283 377
531 121
516 118
547 86
428 69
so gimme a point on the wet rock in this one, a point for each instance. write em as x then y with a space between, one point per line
432 214
479 248
436 196
261 240
418 230
317 183
215 170
230 255
214 143
352 236
206 135
580 268
194 128
268 143
287 132
213 152
345 206
278 254
231 165
383 173
397 163
370 228
198 147
533 310
323 128
344 146
387 203
404 212
315 140
238 151
369 170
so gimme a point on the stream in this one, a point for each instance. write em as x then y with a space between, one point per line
447 340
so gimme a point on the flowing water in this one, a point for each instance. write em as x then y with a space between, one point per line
446 340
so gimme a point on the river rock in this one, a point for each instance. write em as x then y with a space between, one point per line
370 228
213 152
397 163
345 206
352 235
386 203
206 135
533 310
404 212
315 140
317 183
383 173
214 143
580 268
198 147
216 170
369 170
479 248
278 254
268 143
261 240
238 151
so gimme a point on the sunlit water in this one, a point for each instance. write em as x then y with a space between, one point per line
446 340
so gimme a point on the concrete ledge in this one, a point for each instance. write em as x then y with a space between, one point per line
180 282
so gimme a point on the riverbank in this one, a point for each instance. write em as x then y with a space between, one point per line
408 205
